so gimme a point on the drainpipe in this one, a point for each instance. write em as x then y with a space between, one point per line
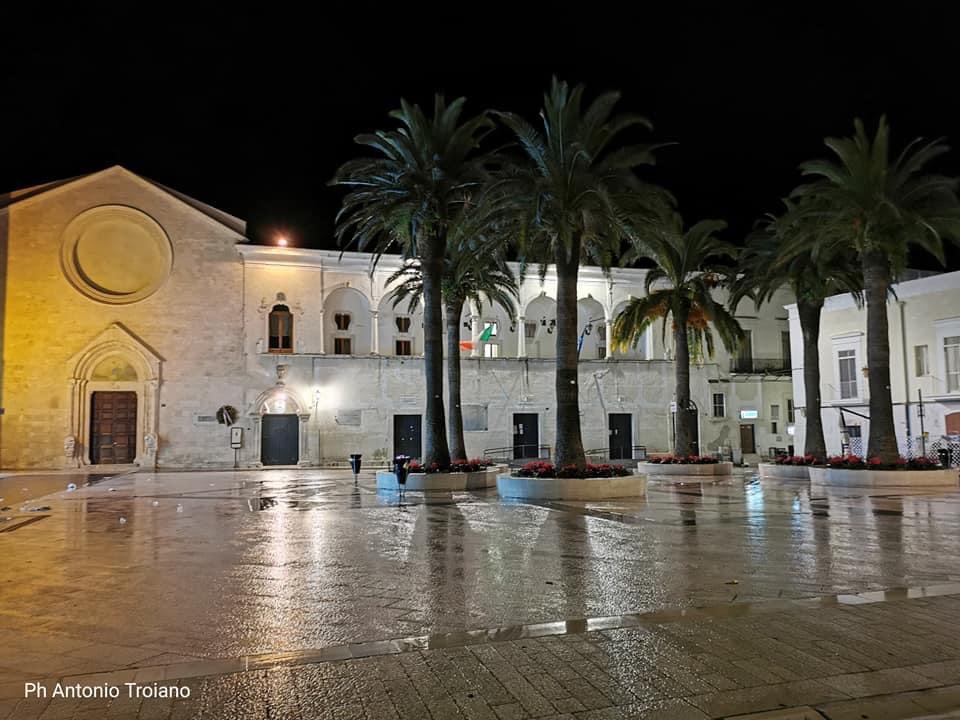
906 374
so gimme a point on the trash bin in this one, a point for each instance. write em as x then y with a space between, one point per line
944 455
355 464
400 468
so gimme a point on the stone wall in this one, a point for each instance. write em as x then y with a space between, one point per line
193 323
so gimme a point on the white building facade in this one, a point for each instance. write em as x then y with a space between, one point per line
134 316
924 327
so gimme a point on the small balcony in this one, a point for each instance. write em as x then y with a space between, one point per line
760 366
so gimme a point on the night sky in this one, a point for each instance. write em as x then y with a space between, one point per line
253 113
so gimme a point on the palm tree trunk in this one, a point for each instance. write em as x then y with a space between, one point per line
431 264
458 449
882 442
813 442
684 419
569 449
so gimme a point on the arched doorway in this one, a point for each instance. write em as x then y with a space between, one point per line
281 424
113 402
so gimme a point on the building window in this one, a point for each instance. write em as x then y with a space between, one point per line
774 418
491 350
847 362
403 324
530 330
281 330
492 326
791 415
719 405
951 357
785 349
404 347
342 321
341 345
921 360
773 427
601 351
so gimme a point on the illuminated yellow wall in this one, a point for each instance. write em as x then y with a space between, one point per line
181 298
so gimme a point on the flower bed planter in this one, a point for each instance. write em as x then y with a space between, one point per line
840 477
592 488
483 479
423 482
784 472
698 469
441 482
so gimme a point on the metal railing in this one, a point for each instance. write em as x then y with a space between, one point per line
760 366
636 452
512 453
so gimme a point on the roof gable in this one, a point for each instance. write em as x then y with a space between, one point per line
224 219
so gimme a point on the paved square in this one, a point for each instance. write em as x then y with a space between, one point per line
297 594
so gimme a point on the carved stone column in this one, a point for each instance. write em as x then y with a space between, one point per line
522 337
304 444
375 331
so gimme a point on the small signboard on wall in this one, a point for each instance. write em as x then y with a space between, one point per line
749 414
236 437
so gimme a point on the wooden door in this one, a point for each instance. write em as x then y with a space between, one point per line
747 441
113 428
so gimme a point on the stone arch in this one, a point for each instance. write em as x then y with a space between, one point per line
592 316
350 301
389 331
542 311
643 350
139 373
280 400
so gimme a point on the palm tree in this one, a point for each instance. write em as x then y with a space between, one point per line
794 249
412 196
577 198
882 207
681 288
468 276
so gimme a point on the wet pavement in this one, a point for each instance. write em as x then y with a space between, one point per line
188 570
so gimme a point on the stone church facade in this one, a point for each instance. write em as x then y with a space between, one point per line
132 314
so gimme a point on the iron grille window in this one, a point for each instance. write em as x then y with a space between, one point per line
341 346
403 324
404 347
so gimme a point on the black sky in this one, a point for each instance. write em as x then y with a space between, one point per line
253 112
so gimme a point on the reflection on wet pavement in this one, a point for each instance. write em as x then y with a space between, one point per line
230 564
